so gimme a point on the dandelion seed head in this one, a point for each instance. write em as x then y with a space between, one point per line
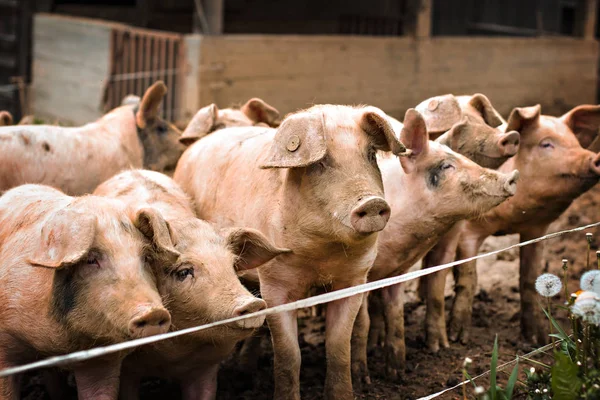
467 362
545 390
537 391
589 279
548 285
587 307
479 390
532 370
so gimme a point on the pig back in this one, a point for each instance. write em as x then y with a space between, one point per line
74 160
221 173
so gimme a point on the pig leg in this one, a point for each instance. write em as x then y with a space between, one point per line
377 328
9 387
284 335
201 385
98 379
532 326
360 334
250 352
435 321
465 284
395 349
340 318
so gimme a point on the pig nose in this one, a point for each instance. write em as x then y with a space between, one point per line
370 215
250 307
595 164
151 321
509 143
510 186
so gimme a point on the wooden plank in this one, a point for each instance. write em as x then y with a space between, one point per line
293 72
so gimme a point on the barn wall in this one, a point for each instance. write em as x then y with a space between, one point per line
292 72
70 67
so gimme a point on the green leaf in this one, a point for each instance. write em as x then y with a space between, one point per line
512 380
561 332
566 384
493 369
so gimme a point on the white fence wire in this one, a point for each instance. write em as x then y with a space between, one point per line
296 305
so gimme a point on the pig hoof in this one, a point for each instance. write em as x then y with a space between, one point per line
360 375
434 343
395 361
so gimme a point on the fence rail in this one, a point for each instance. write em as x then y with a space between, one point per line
296 305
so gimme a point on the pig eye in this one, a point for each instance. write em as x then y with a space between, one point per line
546 144
92 259
161 129
183 273
447 166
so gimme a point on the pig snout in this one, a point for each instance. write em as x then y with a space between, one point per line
510 185
595 164
149 321
509 143
248 307
370 215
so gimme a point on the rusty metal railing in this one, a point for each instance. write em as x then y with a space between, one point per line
138 58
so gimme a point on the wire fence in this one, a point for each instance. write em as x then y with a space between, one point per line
296 305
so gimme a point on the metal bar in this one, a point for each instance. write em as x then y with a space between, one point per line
170 78
163 63
147 62
503 29
139 64
120 65
131 67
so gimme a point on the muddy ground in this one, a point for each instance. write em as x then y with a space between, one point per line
495 312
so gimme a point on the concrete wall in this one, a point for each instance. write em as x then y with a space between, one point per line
292 72
70 68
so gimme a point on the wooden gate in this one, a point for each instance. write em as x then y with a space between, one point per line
15 55
140 57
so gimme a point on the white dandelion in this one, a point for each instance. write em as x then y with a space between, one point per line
589 279
587 307
467 362
548 285
479 390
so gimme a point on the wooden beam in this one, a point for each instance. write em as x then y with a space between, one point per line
589 29
418 22
585 19
214 10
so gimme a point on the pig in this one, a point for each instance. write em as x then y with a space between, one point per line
5 118
475 134
209 119
428 193
200 287
313 186
556 168
77 273
76 160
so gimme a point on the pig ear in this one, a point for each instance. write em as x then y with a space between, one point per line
65 239
489 114
153 226
381 132
457 130
201 125
259 111
522 116
5 118
150 105
584 122
440 113
299 142
415 137
251 247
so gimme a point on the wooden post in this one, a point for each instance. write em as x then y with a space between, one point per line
209 14
586 17
214 10
418 22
